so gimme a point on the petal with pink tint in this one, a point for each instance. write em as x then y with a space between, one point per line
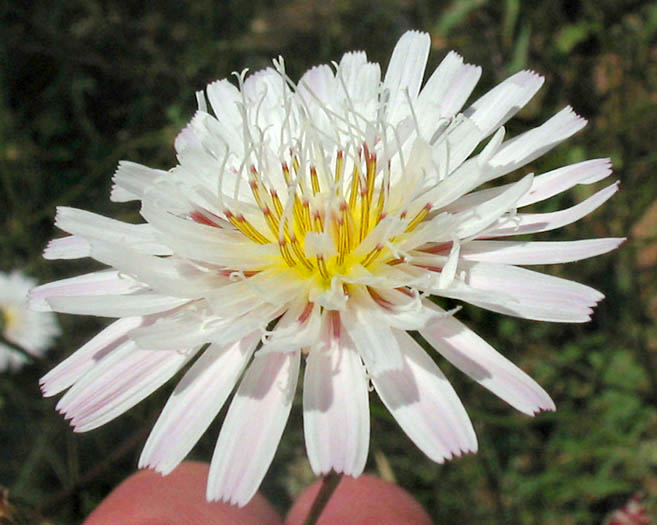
532 295
85 358
425 405
530 145
92 226
370 333
118 382
561 179
69 247
335 403
476 358
141 303
537 252
253 427
195 402
106 282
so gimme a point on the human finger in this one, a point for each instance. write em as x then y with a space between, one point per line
147 498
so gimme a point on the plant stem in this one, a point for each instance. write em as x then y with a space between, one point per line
329 484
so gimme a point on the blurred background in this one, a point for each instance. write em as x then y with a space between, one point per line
86 83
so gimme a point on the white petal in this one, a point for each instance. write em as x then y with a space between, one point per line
195 402
69 247
91 226
474 220
371 334
398 309
523 223
225 98
115 305
455 144
335 404
448 88
209 244
131 181
359 79
470 221
107 282
185 139
562 179
524 148
185 327
270 286
544 186
215 137
476 358
166 275
258 318
253 427
318 88
425 405
405 71
119 381
85 358
299 327
497 106
526 253
533 295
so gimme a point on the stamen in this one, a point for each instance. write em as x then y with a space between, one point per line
355 183
278 207
364 214
246 228
286 173
296 247
418 218
343 233
306 215
318 222
314 180
372 255
339 168
285 252
321 265
379 215
272 222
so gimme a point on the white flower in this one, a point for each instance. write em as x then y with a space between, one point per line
316 220
31 331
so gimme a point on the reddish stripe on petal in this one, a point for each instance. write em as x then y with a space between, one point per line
199 217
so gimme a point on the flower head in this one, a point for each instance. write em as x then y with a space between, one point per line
316 220
33 332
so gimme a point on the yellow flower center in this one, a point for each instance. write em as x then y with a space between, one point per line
324 219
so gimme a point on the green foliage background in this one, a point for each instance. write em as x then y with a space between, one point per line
85 83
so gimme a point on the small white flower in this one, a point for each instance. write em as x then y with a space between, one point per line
31 331
316 220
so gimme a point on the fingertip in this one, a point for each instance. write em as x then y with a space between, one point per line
363 500
147 498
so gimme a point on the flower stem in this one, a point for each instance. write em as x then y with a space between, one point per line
329 484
